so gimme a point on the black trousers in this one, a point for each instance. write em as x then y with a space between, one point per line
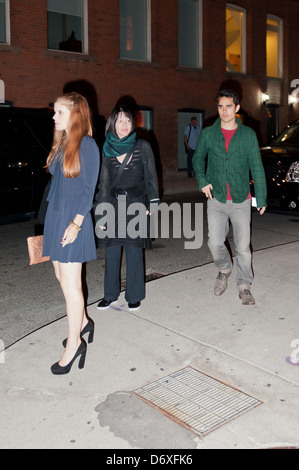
135 276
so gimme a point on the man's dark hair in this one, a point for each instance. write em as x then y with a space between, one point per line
228 94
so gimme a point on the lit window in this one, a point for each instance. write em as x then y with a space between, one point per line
135 40
274 47
66 21
235 39
4 22
190 33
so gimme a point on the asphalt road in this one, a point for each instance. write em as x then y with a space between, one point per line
31 297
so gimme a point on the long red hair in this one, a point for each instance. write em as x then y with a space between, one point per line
68 144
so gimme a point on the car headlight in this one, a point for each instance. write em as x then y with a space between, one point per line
293 173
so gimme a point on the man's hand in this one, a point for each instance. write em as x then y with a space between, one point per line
207 190
261 210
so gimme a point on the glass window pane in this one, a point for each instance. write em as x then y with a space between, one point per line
234 40
65 25
133 29
188 33
272 45
2 22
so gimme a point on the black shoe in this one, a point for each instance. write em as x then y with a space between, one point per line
56 369
134 307
88 328
104 304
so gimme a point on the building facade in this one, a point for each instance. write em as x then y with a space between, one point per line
169 58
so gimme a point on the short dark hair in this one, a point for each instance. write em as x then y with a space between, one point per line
110 126
228 94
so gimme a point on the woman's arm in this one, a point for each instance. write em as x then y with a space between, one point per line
90 164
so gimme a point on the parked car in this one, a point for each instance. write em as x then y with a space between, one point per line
26 137
281 164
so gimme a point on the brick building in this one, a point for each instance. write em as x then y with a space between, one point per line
169 57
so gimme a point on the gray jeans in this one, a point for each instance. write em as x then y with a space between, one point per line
219 216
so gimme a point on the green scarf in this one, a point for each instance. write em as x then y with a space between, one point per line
114 146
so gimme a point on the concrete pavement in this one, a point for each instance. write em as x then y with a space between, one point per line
180 324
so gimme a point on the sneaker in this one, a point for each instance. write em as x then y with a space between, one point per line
104 304
221 283
246 296
134 307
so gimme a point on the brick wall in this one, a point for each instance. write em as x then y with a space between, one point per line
34 76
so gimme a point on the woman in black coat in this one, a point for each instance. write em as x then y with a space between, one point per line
128 186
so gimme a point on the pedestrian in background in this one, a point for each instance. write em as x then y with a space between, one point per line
128 173
232 151
69 240
191 135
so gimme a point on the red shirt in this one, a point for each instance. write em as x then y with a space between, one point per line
228 134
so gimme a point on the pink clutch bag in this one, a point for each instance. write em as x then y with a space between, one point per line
35 249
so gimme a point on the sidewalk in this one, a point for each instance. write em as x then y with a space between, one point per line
177 182
180 326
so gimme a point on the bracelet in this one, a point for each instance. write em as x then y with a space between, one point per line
77 227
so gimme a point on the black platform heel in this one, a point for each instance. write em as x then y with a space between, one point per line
56 369
88 328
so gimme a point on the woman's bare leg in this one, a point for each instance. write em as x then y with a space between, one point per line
69 276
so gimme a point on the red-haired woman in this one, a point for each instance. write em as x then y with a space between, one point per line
69 240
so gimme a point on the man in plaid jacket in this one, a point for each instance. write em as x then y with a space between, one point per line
232 152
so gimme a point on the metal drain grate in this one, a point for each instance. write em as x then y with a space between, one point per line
196 400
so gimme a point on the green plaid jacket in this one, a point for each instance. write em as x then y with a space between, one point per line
233 166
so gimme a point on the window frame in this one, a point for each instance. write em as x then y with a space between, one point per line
84 32
7 23
148 38
200 40
280 45
243 61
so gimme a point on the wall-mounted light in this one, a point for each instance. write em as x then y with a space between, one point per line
265 97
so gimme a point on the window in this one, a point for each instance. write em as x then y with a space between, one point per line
274 47
235 39
4 22
190 33
67 25
135 20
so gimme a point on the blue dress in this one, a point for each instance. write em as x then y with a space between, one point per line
68 197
